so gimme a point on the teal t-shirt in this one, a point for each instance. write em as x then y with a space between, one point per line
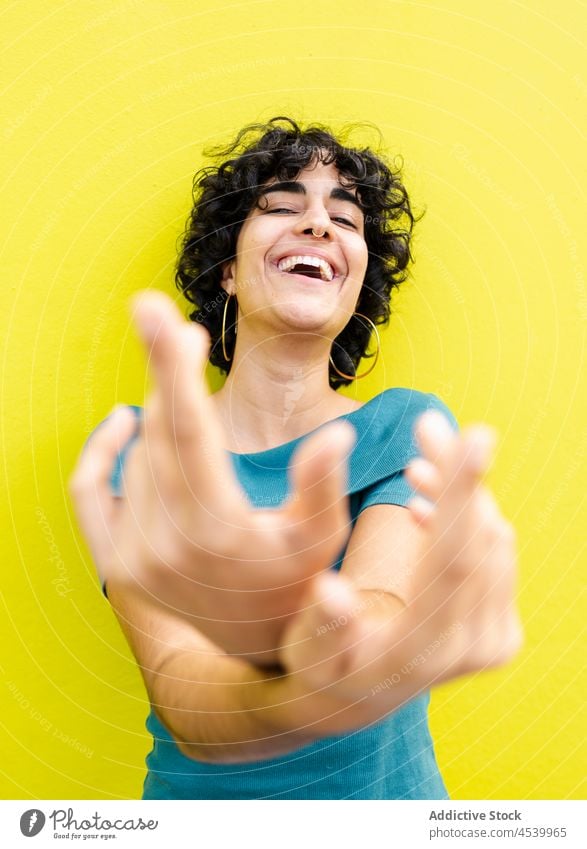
391 759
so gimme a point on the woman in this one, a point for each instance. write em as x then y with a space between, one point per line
287 611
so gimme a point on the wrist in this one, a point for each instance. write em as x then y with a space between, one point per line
294 708
276 705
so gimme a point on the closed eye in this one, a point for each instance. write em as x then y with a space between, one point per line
337 218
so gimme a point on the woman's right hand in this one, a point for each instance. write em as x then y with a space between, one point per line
184 532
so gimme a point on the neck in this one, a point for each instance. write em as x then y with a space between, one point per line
277 390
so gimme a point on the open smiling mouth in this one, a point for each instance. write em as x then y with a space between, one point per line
312 268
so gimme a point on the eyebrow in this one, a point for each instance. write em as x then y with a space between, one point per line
299 189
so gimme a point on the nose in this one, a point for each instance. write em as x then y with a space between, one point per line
317 233
316 223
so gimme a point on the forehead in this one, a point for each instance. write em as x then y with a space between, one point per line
321 180
314 175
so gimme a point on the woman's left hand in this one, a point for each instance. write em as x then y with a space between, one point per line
370 658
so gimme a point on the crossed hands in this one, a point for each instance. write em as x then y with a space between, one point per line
257 582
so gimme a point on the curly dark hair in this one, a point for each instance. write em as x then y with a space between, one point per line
224 195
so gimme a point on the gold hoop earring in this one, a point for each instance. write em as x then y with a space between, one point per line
226 357
365 373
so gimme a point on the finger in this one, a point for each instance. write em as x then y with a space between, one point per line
177 355
422 510
332 599
318 511
464 469
435 437
178 352
466 532
424 477
90 484
337 622
330 628
489 509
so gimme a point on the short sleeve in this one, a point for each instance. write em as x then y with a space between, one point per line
393 488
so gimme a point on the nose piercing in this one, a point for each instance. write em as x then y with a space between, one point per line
317 234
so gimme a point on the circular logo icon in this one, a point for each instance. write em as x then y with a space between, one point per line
31 822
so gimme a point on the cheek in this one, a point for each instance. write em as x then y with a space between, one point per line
252 245
360 257
246 259
254 242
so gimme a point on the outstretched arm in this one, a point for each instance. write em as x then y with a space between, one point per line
460 614
444 606
218 708
204 697
223 709
184 532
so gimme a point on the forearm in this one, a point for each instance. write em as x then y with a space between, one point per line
214 705
350 659
222 709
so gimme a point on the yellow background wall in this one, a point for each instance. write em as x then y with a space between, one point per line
107 106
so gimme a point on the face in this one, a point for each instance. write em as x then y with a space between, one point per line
275 289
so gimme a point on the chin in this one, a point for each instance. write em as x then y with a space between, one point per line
303 315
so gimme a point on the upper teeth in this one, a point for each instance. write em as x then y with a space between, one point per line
326 270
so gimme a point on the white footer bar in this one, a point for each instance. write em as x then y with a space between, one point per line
295 824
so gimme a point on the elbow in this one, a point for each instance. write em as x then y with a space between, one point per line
211 752
186 740
181 737
193 751
218 753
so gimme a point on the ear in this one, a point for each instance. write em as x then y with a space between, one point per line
228 282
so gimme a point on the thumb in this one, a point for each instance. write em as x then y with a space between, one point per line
90 486
321 639
319 510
